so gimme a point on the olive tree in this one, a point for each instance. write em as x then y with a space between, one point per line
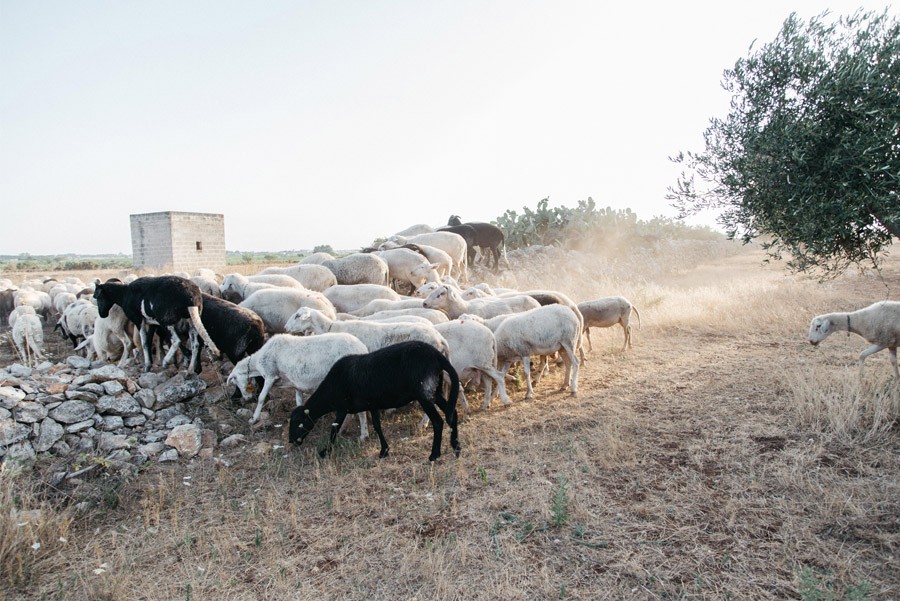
809 153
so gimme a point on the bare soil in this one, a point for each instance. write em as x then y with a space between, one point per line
680 470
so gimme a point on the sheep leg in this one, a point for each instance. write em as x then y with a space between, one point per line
269 382
869 351
462 398
488 387
145 344
893 351
452 418
363 425
194 343
627 330
376 425
573 362
526 365
497 377
545 368
126 350
175 342
503 370
437 425
298 398
339 417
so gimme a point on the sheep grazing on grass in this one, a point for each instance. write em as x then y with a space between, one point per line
299 362
607 312
878 323
541 331
385 379
161 301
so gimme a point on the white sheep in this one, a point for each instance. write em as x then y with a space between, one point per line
207 284
541 331
431 315
406 266
114 337
419 228
450 302
492 324
77 321
299 362
38 299
28 334
878 323
443 263
236 287
350 297
391 317
276 305
382 304
311 276
63 300
606 312
374 334
316 258
359 268
205 272
425 289
451 243
473 354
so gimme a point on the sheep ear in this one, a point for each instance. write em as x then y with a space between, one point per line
434 265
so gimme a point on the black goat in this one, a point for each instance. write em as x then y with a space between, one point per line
162 301
384 379
487 237
468 234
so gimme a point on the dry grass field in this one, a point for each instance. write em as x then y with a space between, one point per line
723 457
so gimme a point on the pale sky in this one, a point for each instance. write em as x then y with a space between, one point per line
337 122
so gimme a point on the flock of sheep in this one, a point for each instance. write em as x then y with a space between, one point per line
294 326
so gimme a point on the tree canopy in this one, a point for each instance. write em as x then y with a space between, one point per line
809 154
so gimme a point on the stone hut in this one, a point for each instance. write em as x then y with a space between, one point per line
178 241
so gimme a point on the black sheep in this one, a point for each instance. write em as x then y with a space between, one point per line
162 301
237 331
384 379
